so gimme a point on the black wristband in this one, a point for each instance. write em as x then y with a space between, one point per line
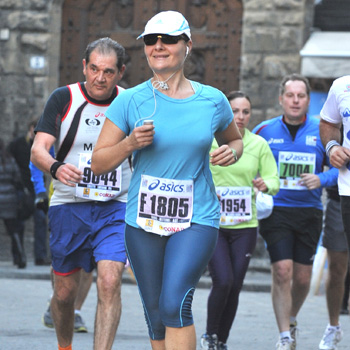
54 168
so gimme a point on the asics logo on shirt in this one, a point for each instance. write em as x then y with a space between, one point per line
272 140
234 192
296 157
170 187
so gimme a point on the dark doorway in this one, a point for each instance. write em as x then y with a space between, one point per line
216 28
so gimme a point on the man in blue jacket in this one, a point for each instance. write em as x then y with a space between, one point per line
293 230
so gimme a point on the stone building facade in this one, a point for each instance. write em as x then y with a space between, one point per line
273 32
29 57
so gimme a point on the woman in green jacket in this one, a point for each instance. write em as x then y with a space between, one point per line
236 187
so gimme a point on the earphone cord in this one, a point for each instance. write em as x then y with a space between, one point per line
154 111
158 84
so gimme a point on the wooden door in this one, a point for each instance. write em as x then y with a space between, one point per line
216 28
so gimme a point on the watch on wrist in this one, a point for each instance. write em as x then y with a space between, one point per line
234 152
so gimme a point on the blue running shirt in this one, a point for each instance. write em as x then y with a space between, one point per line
184 131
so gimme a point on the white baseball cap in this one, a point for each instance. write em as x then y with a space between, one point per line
167 22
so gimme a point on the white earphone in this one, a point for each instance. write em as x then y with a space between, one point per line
187 50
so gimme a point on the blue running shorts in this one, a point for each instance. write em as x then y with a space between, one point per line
84 233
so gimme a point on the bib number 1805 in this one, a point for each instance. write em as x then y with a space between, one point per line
164 206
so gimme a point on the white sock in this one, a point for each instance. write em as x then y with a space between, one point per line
285 334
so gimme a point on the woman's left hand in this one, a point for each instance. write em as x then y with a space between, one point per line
222 156
260 184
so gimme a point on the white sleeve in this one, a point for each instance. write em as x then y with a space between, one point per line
330 110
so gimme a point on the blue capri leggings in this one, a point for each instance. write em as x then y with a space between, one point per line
167 270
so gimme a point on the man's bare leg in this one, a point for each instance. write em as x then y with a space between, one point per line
109 279
282 272
85 282
62 306
300 287
335 284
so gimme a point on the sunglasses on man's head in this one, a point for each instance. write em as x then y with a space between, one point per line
151 39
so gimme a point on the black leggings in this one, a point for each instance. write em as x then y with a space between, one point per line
227 268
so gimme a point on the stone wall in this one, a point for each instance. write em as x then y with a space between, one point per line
273 33
29 58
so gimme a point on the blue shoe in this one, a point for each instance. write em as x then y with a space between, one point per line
79 324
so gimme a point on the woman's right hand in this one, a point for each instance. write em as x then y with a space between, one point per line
141 136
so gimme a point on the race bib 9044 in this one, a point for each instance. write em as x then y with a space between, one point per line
98 188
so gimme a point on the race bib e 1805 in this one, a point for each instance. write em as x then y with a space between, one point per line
165 206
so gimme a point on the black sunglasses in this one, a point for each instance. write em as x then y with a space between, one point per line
151 39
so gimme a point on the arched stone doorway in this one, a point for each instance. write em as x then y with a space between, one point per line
216 32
